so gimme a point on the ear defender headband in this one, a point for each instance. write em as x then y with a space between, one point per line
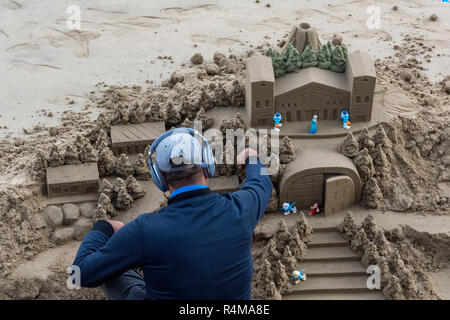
208 161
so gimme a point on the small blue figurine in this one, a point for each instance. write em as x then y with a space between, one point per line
298 275
288 208
345 116
313 129
277 119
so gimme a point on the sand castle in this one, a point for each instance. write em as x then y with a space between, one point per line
312 89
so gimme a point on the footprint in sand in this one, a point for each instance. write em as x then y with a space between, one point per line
10 4
79 40
308 15
32 67
207 39
121 26
188 10
276 23
26 46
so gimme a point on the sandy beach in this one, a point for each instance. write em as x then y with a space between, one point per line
45 65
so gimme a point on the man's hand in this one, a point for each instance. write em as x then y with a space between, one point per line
247 152
116 224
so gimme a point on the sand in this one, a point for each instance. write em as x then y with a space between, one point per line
119 43
54 78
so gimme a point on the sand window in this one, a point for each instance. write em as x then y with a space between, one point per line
366 99
358 99
258 104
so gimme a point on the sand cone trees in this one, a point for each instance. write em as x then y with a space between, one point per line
350 146
304 229
172 114
339 58
365 141
124 200
394 289
106 188
281 278
272 292
123 166
288 260
371 255
282 236
71 155
370 226
141 169
297 246
88 154
371 195
359 242
324 56
292 59
134 189
309 57
270 252
348 227
383 245
106 162
287 150
155 113
278 64
364 164
137 114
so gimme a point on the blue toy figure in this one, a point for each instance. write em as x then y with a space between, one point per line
313 129
298 275
288 208
345 116
277 119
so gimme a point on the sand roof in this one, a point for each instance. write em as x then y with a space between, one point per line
72 173
295 80
361 64
259 68
146 131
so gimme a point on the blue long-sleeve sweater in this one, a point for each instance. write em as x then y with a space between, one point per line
198 247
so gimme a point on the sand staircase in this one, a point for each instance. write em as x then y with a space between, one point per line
333 270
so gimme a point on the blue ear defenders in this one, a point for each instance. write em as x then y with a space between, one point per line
208 161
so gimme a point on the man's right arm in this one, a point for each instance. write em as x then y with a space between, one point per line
254 195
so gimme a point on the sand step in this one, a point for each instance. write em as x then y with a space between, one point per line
327 239
331 254
375 295
324 229
331 268
332 284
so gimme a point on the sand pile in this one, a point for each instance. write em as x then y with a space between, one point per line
276 256
23 232
402 254
403 161
401 164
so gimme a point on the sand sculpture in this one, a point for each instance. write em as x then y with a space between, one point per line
347 80
72 179
123 166
141 169
400 263
279 257
134 188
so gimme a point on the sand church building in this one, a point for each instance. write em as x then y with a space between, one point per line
300 95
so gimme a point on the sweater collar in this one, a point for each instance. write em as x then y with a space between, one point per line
189 194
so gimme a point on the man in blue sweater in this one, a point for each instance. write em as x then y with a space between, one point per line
197 247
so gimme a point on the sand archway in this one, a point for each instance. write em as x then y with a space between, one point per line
305 180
